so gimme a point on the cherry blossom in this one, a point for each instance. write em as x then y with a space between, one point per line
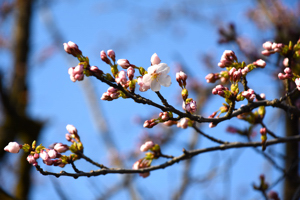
157 75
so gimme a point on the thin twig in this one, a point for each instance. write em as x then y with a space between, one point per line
209 137
91 161
184 156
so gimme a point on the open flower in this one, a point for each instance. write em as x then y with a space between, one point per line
157 75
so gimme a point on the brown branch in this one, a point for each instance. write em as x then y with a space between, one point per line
198 118
184 156
209 137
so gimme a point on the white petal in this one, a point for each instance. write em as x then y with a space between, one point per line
165 80
155 86
163 68
147 79
152 68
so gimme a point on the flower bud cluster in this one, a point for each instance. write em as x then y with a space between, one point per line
121 78
235 74
111 54
288 74
76 73
111 94
249 94
189 105
271 48
72 48
163 117
181 78
220 90
51 155
227 59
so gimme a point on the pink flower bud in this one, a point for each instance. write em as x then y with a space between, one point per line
266 52
281 76
111 54
121 79
147 145
124 63
61 148
12 147
263 96
260 63
136 165
183 123
145 174
130 73
52 153
267 45
263 131
285 62
48 161
288 70
155 59
71 129
72 48
44 155
104 57
211 125
297 82
31 160
245 70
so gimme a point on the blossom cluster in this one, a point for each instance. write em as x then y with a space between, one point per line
53 154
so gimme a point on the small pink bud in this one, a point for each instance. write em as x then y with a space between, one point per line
130 73
285 62
288 70
71 129
111 54
61 148
266 52
211 125
155 59
260 63
183 123
263 131
104 57
267 45
145 174
12 147
31 160
263 96
44 155
147 145
124 63
136 165
52 153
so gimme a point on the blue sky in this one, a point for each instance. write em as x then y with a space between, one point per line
131 28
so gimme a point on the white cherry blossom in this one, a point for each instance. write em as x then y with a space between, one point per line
157 75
